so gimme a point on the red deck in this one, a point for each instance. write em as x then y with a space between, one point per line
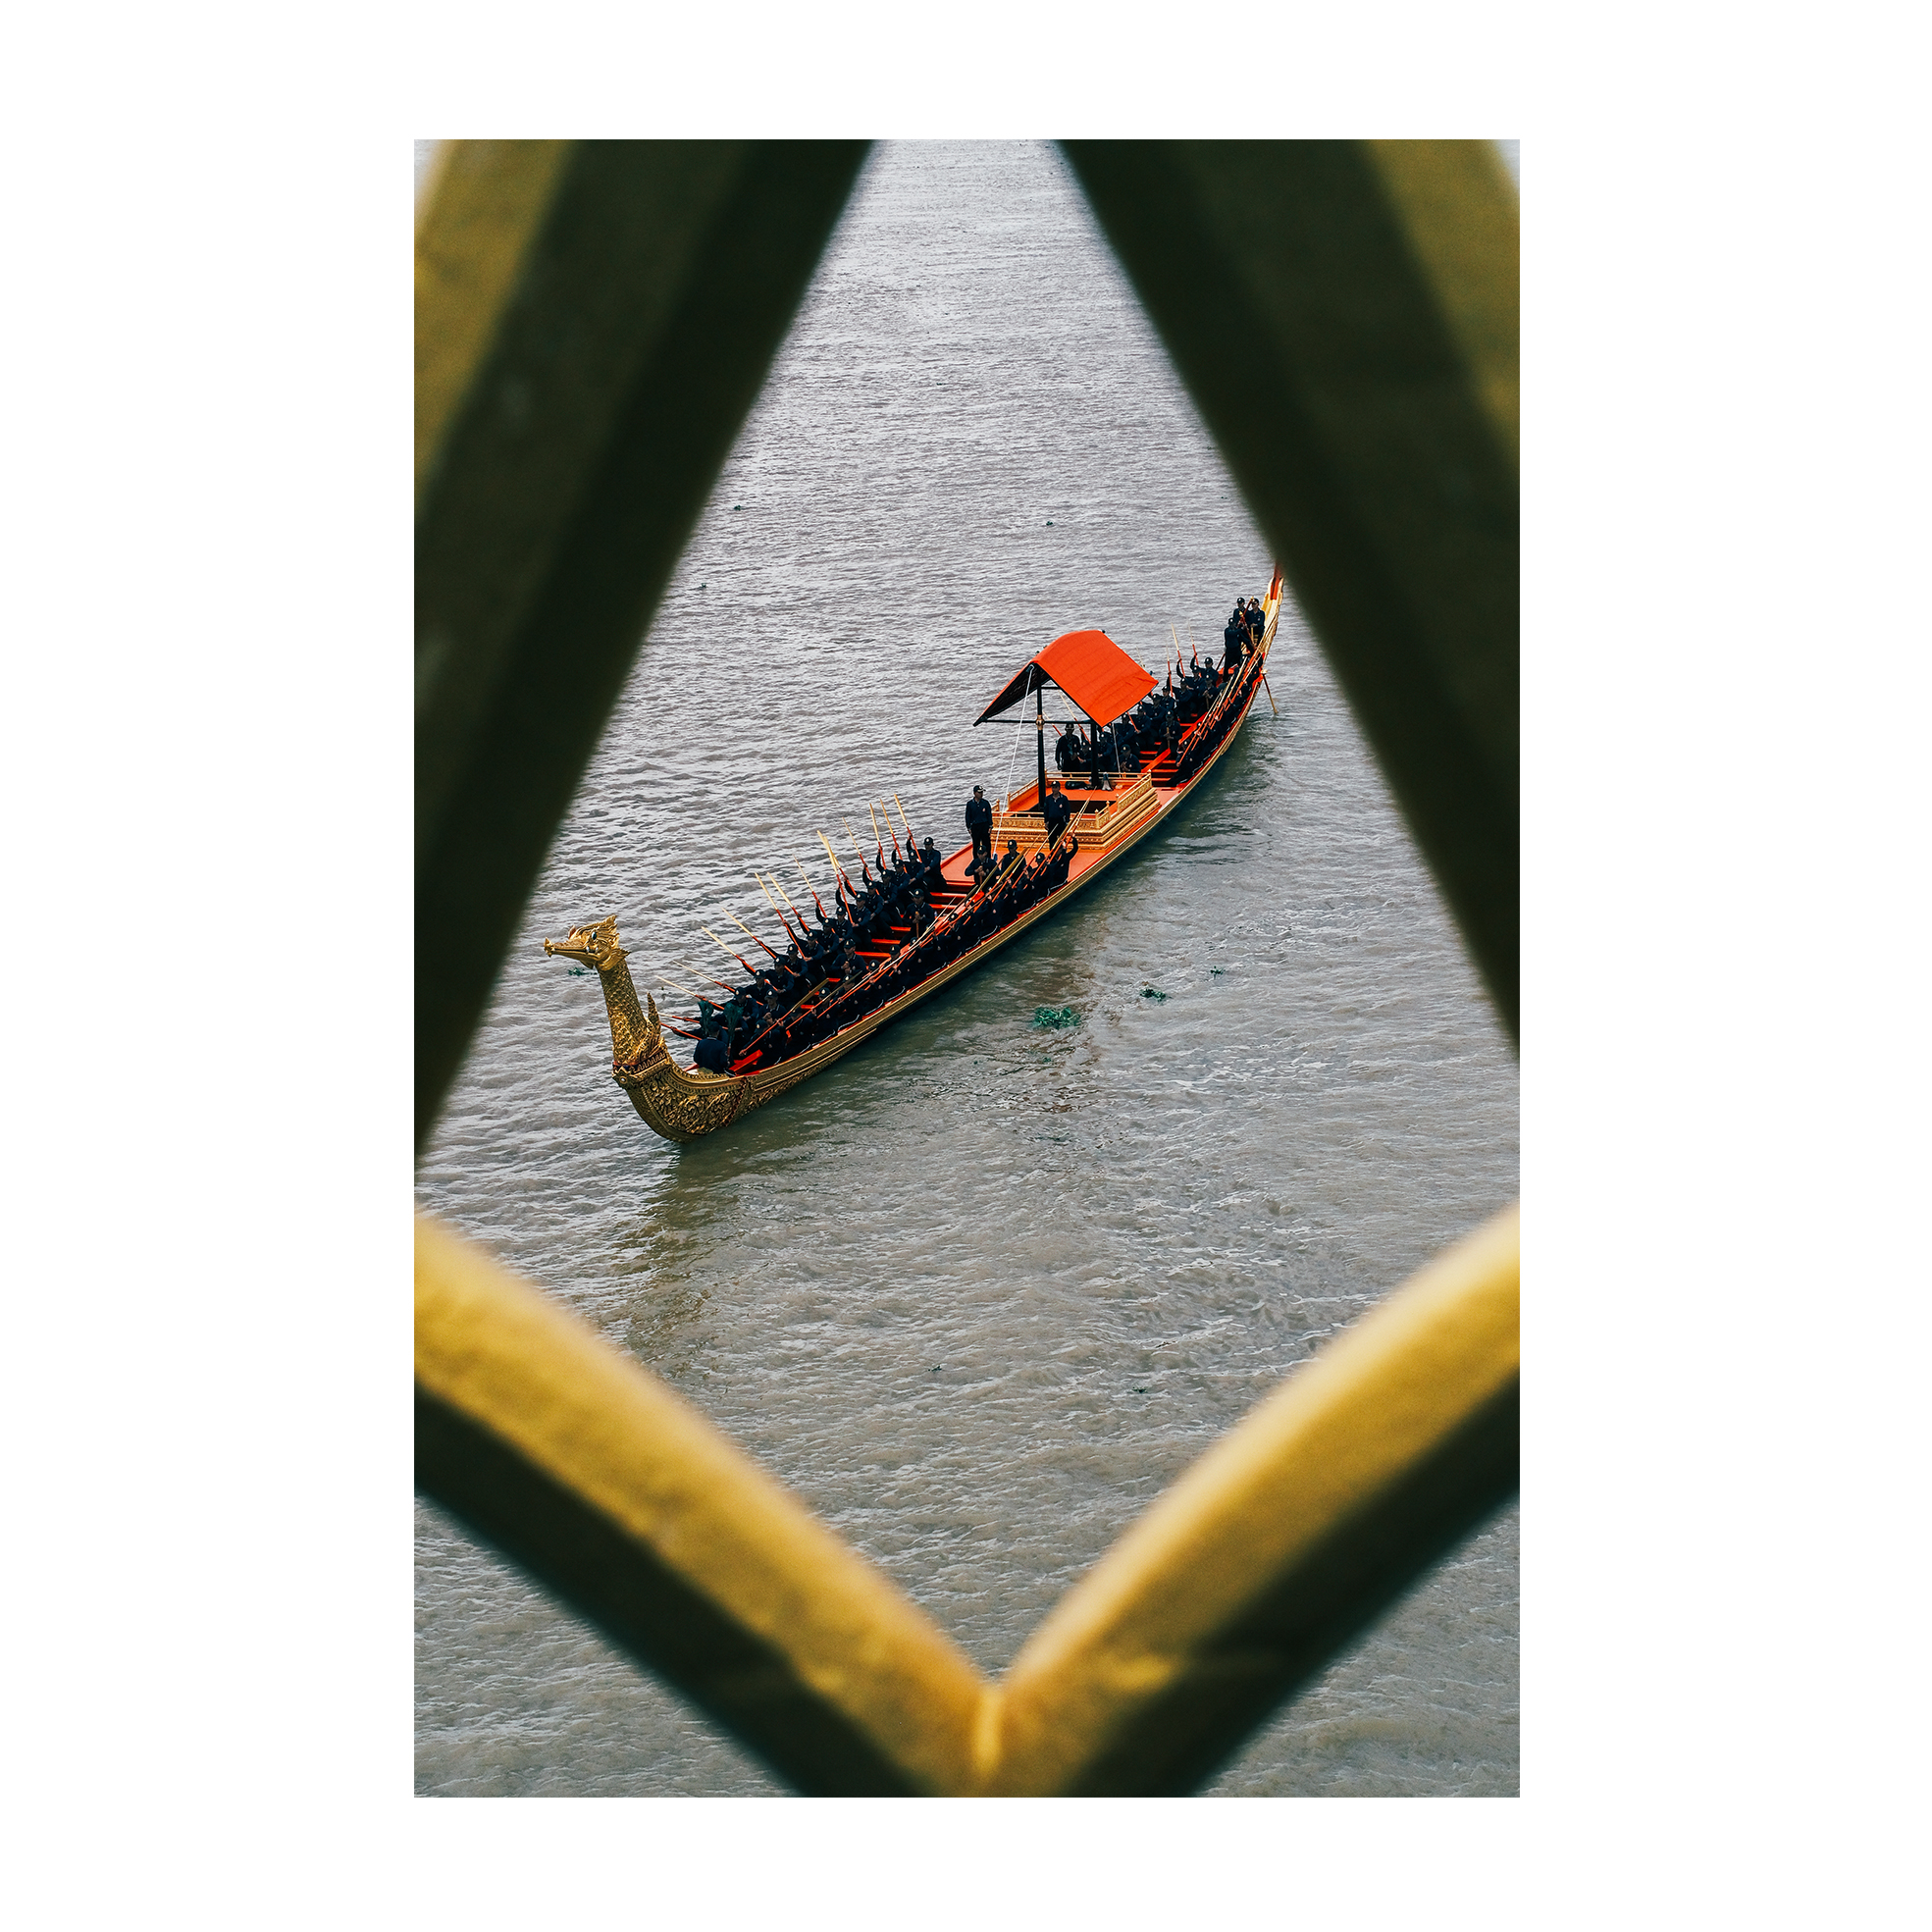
1160 769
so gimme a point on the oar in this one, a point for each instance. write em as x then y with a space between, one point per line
802 937
774 905
665 979
794 935
848 891
854 837
903 819
718 983
891 834
986 885
839 880
858 986
745 930
938 925
727 952
837 873
810 888
773 1025
792 905
792 1012
781 900
878 844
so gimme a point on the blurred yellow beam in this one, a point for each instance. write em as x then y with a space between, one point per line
617 1493
476 228
1281 1544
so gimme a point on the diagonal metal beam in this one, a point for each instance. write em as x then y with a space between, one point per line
593 321
1344 314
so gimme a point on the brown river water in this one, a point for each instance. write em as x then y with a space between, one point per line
979 1292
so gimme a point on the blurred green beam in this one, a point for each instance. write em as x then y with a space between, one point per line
1344 314
594 322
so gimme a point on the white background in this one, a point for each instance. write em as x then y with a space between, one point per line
207 786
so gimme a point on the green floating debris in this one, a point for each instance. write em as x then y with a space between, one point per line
1055 1017
1215 972
1152 993
579 972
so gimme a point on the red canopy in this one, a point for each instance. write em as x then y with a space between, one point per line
1090 667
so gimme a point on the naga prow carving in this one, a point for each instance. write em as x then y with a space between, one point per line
679 1105
632 1034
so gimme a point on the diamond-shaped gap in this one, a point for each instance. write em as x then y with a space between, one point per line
1108 1241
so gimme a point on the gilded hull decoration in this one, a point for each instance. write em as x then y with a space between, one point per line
861 970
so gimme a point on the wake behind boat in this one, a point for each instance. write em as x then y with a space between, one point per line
921 921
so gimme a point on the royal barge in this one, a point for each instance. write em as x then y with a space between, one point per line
851 982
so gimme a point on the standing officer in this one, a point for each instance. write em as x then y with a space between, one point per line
1055 812
980 825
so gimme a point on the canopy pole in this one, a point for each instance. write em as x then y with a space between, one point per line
1040 736
1093 744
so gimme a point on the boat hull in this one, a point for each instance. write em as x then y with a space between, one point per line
684 1105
